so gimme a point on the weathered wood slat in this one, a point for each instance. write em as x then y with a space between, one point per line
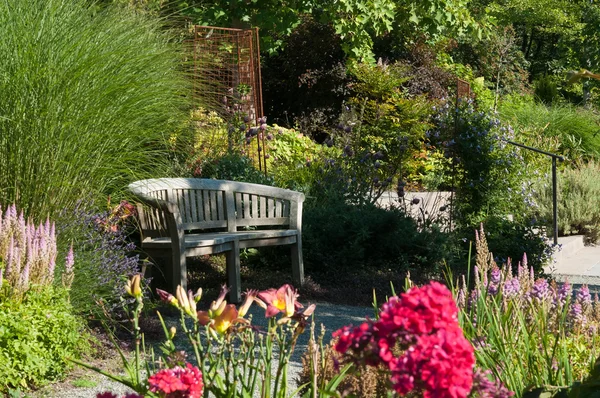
254 200
214 214
246 201
271 207
285 211
250 222
220 207
193 206
263 207
239 210
206 205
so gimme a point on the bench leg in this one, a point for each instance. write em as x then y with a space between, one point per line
297 263
176 271
233 273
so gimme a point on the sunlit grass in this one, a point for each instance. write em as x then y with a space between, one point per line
88 99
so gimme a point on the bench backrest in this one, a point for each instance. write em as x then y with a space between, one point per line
218 205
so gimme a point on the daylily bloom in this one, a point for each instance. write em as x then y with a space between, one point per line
283 300
221 316
225 319
222 319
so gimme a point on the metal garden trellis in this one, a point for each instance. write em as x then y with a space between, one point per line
226 74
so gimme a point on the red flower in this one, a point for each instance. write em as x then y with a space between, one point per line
177 382
436 358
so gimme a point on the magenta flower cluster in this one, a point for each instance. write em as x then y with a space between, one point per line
417 338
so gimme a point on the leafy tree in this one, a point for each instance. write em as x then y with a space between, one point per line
357 22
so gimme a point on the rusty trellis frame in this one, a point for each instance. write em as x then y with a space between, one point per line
463 90
226 75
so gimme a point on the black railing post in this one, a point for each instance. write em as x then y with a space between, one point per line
554 204
554 184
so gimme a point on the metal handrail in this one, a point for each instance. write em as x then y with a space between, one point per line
554 185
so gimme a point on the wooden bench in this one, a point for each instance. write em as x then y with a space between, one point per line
187 217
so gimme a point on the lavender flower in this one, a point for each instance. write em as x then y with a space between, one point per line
576 315
511 288
540 290
583 296
563 293
495 279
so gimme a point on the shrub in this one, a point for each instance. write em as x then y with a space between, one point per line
546 90
486 170
88 98
313 78
38 330
342 235
234 167
105 254
291 154
38 335
578 201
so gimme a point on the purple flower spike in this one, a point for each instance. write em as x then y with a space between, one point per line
584 298
494 284
563 293
540 290
511 288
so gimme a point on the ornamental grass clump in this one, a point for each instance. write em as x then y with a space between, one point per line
28 253
89 97
528 332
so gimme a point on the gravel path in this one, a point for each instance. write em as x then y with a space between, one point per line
85 384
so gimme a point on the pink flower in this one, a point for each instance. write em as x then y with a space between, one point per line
177 382
283 300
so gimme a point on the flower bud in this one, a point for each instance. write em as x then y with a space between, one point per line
133 287
182 297
167 297
172 332
198 295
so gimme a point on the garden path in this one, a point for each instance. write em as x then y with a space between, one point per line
577 263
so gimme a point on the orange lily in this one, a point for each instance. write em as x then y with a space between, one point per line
221 316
